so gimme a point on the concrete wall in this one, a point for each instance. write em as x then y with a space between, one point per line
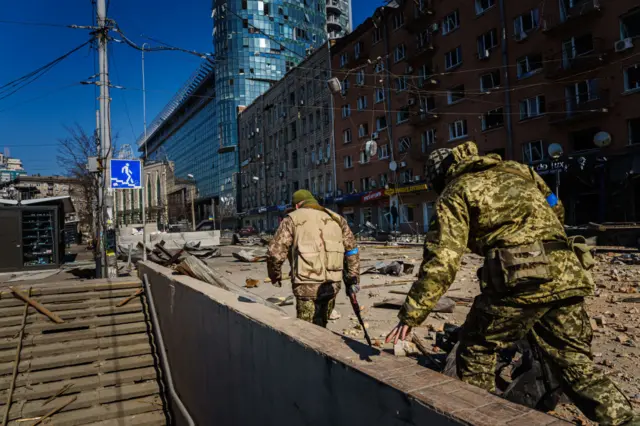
239 363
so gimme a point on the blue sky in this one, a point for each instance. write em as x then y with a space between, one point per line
33 119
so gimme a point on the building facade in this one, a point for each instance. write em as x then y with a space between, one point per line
256 44
10 168
516 81
339 18
285 143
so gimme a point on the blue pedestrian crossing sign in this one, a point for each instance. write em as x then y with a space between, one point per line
126 174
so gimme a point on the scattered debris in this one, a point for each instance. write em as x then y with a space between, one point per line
405 348
281 301
249 256
395 268
57 394
627 259
335 315
55 410
287 278
130 298
251 283
39 307
237 240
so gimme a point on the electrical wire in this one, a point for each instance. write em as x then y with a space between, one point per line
35 24
14 86
122 96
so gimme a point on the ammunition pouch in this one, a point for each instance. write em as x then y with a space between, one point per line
514 269
578 245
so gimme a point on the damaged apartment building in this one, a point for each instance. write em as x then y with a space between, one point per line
285 143
553 85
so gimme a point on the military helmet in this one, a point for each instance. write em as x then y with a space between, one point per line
436 167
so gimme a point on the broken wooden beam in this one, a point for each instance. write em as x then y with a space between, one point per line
39 307
130 298
55 410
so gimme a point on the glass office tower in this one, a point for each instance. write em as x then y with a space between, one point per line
256 43
338 18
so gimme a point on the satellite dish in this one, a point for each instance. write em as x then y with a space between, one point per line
602 139
393 166
371 148
555 151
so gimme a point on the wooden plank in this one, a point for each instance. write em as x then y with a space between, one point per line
69 315
89 285
69 297
67 360
63 306
74 346
105 412
37 305
88 399
87 322
155 418
76 371
42 391
92 333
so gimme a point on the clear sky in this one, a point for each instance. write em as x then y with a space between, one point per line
34 118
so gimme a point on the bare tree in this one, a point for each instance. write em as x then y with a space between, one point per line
73 153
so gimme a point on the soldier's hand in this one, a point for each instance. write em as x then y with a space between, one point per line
399 332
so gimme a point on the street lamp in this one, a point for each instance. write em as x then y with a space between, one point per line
193 196
146 190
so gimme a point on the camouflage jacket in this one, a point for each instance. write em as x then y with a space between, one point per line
489 203
281 247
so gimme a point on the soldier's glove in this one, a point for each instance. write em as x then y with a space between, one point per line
352 285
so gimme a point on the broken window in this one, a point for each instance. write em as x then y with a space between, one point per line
528 65
493 119
381 123
575 47
532 107
404 144
398 20
402 115
457 129
451 22
453 58
379 94
346 136
634 131
582 92
399 53
348 163
526 23
630 24
363 130
486 42
428 138
632 78
582 140
532 152
427 104
483 5
455 94
490 80
377 35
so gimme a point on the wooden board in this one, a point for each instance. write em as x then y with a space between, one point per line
100 360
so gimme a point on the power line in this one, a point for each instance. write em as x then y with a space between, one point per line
124 99
44 95
22 82
36 24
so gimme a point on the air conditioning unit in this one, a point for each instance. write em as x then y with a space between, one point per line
403 164
375 135
416 178
411 101
409 69
624 44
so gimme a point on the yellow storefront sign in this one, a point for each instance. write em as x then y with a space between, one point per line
406 189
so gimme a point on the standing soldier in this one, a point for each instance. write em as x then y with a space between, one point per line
533 281
322 252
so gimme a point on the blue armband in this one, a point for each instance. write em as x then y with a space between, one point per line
552 200
351 252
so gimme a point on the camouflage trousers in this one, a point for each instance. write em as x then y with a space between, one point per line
563 331
315 311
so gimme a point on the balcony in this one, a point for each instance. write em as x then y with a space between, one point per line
424 51
334 24
582 106
563 64
333 6
577 15
423 13
423 119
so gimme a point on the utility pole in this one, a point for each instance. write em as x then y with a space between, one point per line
107 267
145 196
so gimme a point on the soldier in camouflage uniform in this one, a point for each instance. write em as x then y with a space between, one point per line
322 251
533 281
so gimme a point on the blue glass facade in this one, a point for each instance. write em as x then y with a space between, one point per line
256 43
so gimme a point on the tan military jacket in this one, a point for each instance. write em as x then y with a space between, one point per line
314 240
